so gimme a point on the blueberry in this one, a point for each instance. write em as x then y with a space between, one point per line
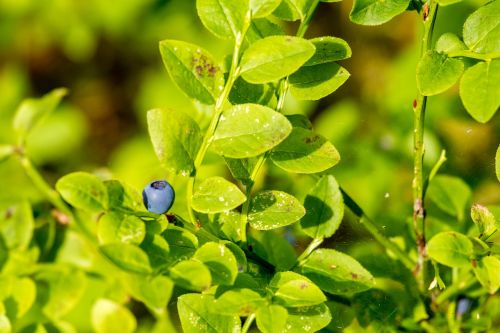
463 306
158 196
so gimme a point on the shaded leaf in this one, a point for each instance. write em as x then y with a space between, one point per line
328 49
324 209
191 275
220 261
450 194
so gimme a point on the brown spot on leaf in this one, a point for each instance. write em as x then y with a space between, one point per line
304 286
474 263
311 139
354 275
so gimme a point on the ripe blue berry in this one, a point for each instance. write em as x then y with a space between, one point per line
158 196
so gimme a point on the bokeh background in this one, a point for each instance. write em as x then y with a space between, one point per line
106 54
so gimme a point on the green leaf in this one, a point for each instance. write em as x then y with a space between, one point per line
127 257
324 209
271 319
261 28
63 289
176 139
274 209
375 307
191 275
263 8
336 272
480 90
122 196
193 70
243 92
115 227
197 316
220 261
182 243
223 18
328 49
482 29
83 190
449 42
303 151
108 316
154 291
317 81
5 326
241 168
450 194
451 249
23 293
375 12
6 151
484 220
215 195
436 73
17 225
487 272
248 130
273 248
239 301
299 120
274 57
497 163
32 111
294 290
307 319
158 251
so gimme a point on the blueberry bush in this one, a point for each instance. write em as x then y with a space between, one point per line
214 249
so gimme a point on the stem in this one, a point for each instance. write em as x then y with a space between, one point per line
283 89
473 55
373 229
309 249
248 323
418 142
218 109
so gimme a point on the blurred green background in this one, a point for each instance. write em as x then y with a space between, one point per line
106 53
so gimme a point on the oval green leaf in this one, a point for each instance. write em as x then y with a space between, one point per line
127 257
436 73
487 272
263 8
324 209
248 130
336 272
318 81
303 151
274 57
451 249
239 301
450 194
176 139
480 90
83 190
274 209
375 12
215 195
193 70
